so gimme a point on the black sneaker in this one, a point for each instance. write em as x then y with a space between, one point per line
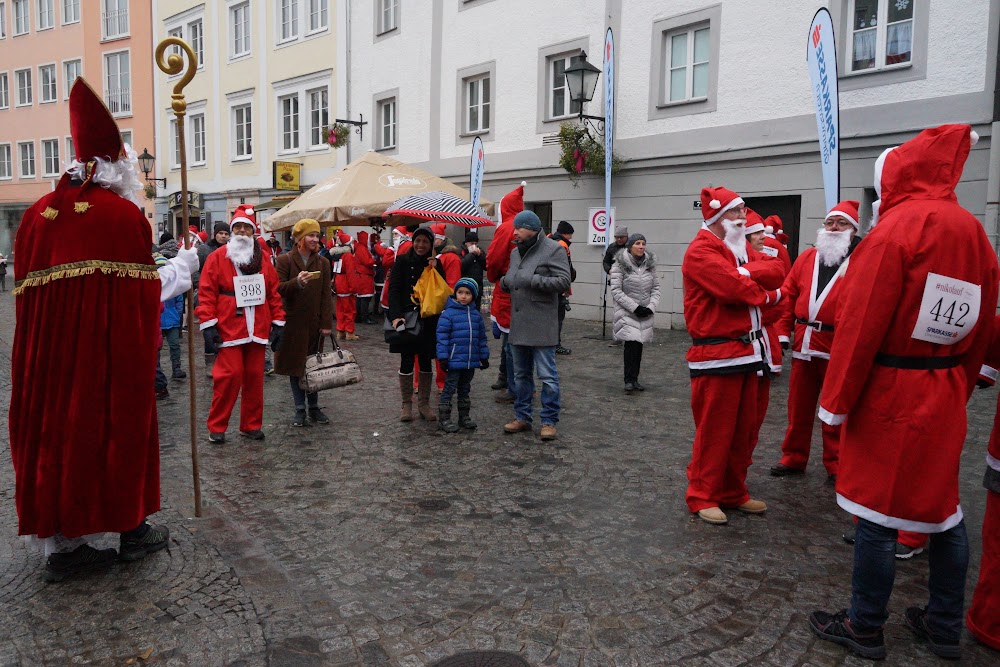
836 628
501 383
629 387
317 416
563 350
638 387
139 543
904 552
256 434
916 620
849 535
785 471
82 559
217 438
179 374
300 418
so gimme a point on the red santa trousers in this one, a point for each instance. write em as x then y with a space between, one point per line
803 395
763 401
238 371
984 615
726 418
347 310
438 379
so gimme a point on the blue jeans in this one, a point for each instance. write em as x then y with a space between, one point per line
300 397
159 380
509 356
457 379
172 338
875 572
525 360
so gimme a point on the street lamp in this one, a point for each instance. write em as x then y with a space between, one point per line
146 165
581 77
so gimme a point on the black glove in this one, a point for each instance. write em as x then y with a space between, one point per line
444 364
484 364
784 345
983 384
212 338
643 311
277 333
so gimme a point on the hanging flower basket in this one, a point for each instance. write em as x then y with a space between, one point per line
581 154
149 190
338 134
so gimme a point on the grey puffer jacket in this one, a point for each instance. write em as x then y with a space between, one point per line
634 284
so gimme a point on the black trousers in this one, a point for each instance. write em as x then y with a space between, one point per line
633 360
562 315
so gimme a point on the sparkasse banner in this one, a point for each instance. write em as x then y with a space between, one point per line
476 171
821 54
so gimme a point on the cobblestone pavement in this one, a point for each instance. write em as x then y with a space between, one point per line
371 542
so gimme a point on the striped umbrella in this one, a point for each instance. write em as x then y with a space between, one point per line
441 207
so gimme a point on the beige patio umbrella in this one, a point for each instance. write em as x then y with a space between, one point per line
363 189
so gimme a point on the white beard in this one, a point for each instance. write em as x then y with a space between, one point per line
120 176
240 249
736 238
832 247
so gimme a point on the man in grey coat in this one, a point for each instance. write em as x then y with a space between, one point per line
538 274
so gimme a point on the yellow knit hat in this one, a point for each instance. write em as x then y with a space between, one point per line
305 226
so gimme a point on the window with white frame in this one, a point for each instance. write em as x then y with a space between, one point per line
688 53
23 77
175 145
560 104
3 20
70 150
47 81
6 170
196 38
118 83
72 69
881 34
319 18
388 15
4 91
70 11
288 108
478 102
242 131
239 29
46 14
288 21
126 136
26 154
199 156
50 155
114 17
22 17
319 116
178 33
387 123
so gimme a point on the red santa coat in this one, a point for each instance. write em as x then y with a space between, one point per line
774 248
803 303
497 264
722 304
364 267
217 303
83 428
388 261
451 264
903 428
344 279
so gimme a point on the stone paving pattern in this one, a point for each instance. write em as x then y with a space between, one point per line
374 543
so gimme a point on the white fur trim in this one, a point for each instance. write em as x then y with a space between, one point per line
756 227
769 230
993 462
783 339
828 417
743 272
899 524
724 363
523 183
973 137
733 204
210 323
242 219
841 214
248 211
879 163
715 204
278 323
989 372
777 297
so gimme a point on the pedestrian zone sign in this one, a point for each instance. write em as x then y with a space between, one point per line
597 227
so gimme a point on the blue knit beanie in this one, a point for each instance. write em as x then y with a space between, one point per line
528 220
469 284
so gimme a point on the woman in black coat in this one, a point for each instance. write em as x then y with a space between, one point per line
403 277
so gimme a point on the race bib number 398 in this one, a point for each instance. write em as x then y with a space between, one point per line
949 310
249 290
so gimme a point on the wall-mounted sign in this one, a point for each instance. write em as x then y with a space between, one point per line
696 205
195 200
286 175
597 231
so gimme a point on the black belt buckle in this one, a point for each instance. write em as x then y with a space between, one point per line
751 337
817 326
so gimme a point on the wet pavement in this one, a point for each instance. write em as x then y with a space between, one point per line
372 542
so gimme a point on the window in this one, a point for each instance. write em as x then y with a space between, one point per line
881 34
289 110
114 18
46 14
242 132
198 139
685 57
387 123
3 24
196 38
318 15
477 104
175 145
289 21
4 91
319 117
71 70
47 80
22 21
50 153
6 172
70 11
26 153
70 151
127 138
179 33
387 16
687 65
560 105
23 87
117 85
239 23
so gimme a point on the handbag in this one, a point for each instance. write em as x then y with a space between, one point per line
411 329
432 291
327 370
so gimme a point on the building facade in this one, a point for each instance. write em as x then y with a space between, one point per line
44 46
709 92
264 92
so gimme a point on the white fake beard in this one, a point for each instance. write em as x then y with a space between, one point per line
832 247
240 249
736 238
120 176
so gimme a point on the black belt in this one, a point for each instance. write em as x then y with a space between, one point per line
916 363
745 338
225 293
818 326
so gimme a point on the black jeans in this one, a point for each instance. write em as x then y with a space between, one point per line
300 396
562 315
459 379
426 361
633 360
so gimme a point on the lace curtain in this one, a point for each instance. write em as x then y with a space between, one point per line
899 42
864 50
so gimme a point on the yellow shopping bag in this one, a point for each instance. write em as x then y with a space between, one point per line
432 291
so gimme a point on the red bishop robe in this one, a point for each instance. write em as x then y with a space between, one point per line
83 430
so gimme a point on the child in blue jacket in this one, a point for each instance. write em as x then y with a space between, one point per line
461 349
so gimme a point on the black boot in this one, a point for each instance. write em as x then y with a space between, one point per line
178 373
464 408
142 541
444 419
317 415
501 382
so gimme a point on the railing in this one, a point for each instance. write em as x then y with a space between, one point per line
119 101
115 23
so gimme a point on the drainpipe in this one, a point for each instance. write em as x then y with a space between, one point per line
992 217
347 70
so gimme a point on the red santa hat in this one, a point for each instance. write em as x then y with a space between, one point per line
848 210
244 213
754 223
512 203
402 231
774 228
203 235
439 230
343 238
716 201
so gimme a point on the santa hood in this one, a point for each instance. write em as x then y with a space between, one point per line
512 203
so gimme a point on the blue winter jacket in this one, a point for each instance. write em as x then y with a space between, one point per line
461 336
173 313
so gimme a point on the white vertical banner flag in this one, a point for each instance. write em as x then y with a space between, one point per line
609 129
821 54
477 170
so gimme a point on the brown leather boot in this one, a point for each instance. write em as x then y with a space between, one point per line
406 394
424 381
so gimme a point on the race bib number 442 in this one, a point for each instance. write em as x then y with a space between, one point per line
949 310
249 290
